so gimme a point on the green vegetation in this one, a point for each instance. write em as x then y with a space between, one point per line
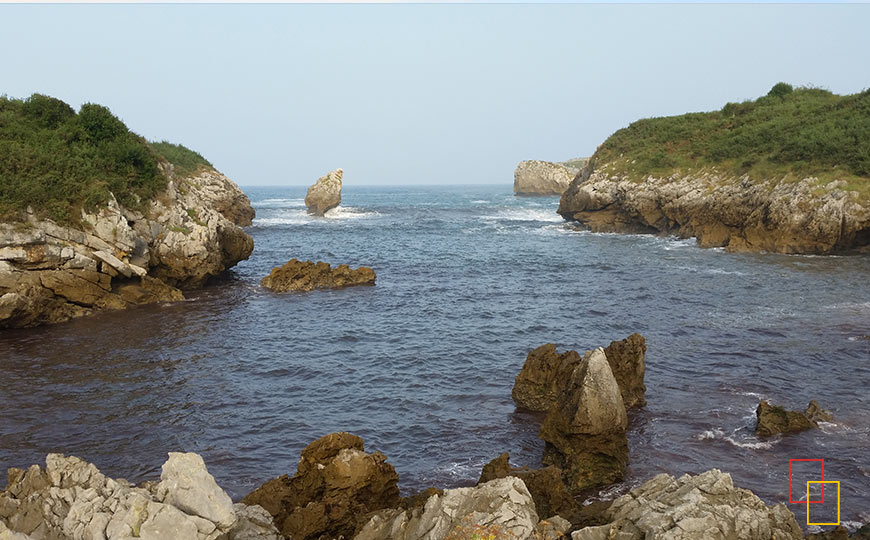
57 161
790 133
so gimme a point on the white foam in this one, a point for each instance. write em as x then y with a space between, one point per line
302 217
718 434
480 201
278 203
349 212
524 214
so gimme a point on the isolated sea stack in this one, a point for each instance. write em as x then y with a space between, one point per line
325 194
786 173
296 275
543 178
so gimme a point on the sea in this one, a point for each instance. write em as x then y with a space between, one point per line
421 365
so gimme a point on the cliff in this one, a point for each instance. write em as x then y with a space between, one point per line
534 177
787 173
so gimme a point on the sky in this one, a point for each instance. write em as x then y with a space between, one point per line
416 93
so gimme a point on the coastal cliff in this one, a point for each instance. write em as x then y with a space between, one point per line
534 177
62 255
788 173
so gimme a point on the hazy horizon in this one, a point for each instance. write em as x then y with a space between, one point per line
417 94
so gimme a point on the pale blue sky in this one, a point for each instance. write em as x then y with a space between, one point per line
407 94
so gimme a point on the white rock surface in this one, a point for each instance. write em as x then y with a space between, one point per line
534 177
325 194
186 484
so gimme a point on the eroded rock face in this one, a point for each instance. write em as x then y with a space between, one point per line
739 214
545 485
534 177
297 275
773 419
702 507
335 486
72 500
626 359
325 194
585 430
501 508
119 256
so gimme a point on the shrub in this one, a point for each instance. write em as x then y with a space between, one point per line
780 90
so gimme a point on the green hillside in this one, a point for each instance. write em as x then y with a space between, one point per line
57 160
788 134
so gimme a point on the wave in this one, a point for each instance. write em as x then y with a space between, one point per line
302 217
278 203
349 212
718 434
524 214
479 201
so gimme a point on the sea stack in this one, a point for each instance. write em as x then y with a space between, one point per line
325 194
542 178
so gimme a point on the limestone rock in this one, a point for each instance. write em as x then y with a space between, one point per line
186 484
545 485
296 275
325 194
552 528
702 507
534 177
626 359
585 430
335 486
501 508
773 419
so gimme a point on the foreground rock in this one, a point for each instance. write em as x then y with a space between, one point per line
119 256
702 507
585 429
325 194
739 214
336 485
71 500
296 275
535 177
545 374
773 419
501 508
545 486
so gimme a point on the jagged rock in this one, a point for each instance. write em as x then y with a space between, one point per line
72 500
552 528
585 430
626 359
702 507
501 508
534 177
296 275
325 194
119 256
545 485
773 419
335 486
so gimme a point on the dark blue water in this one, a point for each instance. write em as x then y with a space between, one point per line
421 365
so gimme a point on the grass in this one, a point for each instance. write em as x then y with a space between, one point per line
788 134
58 161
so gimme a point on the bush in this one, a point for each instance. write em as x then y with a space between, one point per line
780 90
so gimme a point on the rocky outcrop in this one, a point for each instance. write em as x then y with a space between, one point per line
117 256
546 373
534 177
297 275
740 214
773 419
336 485
72 500
702 507
501 508
545 485
325 194
585 430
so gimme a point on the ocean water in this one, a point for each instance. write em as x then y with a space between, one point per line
422 364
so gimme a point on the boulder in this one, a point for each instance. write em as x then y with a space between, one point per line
501 508
552 528
72 500
296 275
534 177
626 359
702 507
335 486
585 430
325 194
773 419
545 485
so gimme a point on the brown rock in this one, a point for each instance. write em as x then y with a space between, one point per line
148 291
773 419
336 485
325 194
626 359
296 275
545 485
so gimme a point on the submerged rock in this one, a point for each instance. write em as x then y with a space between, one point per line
325 194
545 485
534 177
72 500
335 486
702 507
773 419
296 275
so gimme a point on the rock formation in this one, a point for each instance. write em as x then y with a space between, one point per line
535 177
335 486
325 194
545 374
773 419
120 256
585 430
719 210
72 500
501 508
296 275
702 507
545 485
